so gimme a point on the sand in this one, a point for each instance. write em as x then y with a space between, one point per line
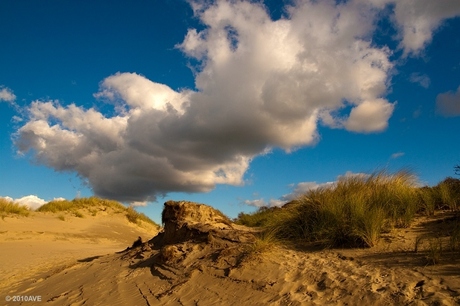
42 241
73 262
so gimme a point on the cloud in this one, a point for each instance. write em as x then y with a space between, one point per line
138 203
397 155
370 116
6 95
261 203
417 20
303 188
448 103
31 201
298 190
260 84
421 79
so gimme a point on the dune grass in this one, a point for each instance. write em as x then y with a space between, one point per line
81 203
10 208
135 217
443 196
93 205
356 210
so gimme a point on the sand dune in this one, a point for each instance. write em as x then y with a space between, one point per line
201 259
43 241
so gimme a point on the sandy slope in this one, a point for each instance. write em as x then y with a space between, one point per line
41 241
210 265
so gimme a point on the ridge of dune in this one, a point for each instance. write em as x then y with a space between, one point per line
201 258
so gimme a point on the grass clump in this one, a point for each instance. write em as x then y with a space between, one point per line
78 214
135 217
56 206
443 196
262 217
80 203
352 212
440 244
10 208
93 205
265 241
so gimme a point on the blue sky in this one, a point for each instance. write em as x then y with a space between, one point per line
235 104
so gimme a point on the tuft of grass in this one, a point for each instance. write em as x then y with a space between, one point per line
61 217
265 241
427 200
352 212
135 217
260 218
435 251
454 240
445 195
449 193
8 208
78 214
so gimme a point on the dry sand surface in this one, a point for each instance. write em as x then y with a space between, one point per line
201 259
42 241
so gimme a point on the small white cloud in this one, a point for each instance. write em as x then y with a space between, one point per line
6 95
256 203
297 191
370 116
31 201
350 174
303 188
448 103
9 199
417 112
421 79
262 203
397 155
138 203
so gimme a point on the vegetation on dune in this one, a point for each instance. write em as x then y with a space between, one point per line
81 203
9 208
356 210
136 217
93 205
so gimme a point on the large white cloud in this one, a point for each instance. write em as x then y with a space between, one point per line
260 83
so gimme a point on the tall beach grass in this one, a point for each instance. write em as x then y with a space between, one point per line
10 208
352 212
